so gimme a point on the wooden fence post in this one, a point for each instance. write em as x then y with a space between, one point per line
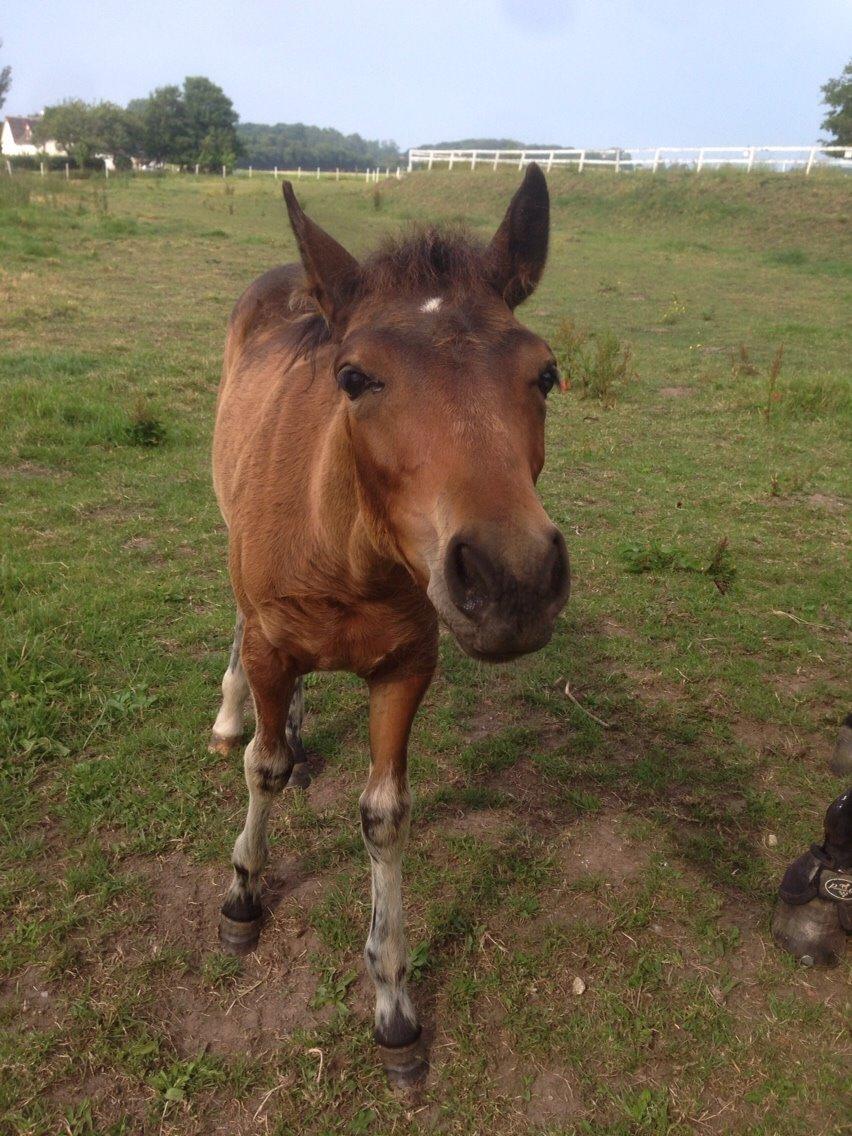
496 160
67 173
700 162
581 162
550 162
41 167
811 160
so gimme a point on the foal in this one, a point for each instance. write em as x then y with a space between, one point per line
379 433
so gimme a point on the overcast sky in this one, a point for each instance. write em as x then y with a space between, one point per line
575 72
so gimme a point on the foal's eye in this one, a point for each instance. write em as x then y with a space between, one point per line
548 379
353 383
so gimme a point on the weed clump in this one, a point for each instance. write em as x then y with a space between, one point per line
657 557
596 364
145 429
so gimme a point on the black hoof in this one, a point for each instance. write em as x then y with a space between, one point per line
300 778
841 761
406 1066
239 936
814 912
811 932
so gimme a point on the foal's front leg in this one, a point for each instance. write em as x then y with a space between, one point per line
385 814
268 764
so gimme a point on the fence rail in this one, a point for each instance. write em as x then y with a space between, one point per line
653 158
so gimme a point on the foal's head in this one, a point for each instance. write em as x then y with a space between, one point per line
445 395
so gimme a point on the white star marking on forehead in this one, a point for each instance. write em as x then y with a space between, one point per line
431 305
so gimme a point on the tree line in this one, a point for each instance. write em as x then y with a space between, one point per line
196 125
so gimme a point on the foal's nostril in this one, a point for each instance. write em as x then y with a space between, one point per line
469 577
560 573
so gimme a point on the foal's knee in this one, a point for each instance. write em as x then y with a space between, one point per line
268 767
385 816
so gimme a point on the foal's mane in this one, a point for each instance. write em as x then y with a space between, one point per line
421 259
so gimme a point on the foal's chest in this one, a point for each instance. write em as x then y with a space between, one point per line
324 634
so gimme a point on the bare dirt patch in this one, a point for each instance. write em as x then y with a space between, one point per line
675 392
271 996
828 502
34 471
600 847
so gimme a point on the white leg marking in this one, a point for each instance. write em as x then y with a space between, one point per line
231 717
385 816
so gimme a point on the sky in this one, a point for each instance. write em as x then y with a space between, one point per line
588 73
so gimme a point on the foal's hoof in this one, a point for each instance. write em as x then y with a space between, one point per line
239 936
814 912
406 1066
841 761
225 746
811 932
300 777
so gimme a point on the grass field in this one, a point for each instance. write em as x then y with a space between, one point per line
640 857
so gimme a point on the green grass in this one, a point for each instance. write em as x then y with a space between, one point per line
620 838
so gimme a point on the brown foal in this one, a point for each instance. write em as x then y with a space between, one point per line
379 433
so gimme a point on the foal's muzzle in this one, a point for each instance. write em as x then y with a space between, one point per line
502 594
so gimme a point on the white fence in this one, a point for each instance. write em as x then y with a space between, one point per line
650 158
317 173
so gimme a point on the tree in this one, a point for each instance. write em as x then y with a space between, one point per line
182 127
211 124
837 95
5 80
85 130
163 127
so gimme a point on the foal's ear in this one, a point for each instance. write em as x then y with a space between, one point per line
332 272
517 254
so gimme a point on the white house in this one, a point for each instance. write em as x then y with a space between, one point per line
17 138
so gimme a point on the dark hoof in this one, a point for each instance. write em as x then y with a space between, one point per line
225 746
300 778
406 1066
239 936
841 761
811 932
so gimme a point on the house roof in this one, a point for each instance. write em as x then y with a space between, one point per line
22 129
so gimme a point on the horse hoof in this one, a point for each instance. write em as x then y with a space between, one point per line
405 1066
811 932
300 777
225 746
238 936
841 761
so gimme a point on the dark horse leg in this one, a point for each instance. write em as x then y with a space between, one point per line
269 760
385 814
228 727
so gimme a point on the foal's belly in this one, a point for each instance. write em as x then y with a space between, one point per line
322 634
